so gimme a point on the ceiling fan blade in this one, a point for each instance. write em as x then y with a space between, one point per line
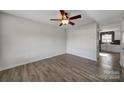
62 12
75 17
71 23
55 19
61 24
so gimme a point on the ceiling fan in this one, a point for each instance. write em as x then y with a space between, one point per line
65 19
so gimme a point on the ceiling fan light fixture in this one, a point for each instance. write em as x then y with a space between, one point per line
65 21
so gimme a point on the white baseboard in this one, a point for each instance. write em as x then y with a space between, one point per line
83 57
30 61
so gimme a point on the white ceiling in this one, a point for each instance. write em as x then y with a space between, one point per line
106 17
102 17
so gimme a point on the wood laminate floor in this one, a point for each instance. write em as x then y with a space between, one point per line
61 69
109 66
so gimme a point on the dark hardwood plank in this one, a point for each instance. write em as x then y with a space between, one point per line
60 69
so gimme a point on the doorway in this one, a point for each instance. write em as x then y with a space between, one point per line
109 49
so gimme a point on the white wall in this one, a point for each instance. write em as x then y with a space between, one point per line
23 41
122 45
81 41
117 35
